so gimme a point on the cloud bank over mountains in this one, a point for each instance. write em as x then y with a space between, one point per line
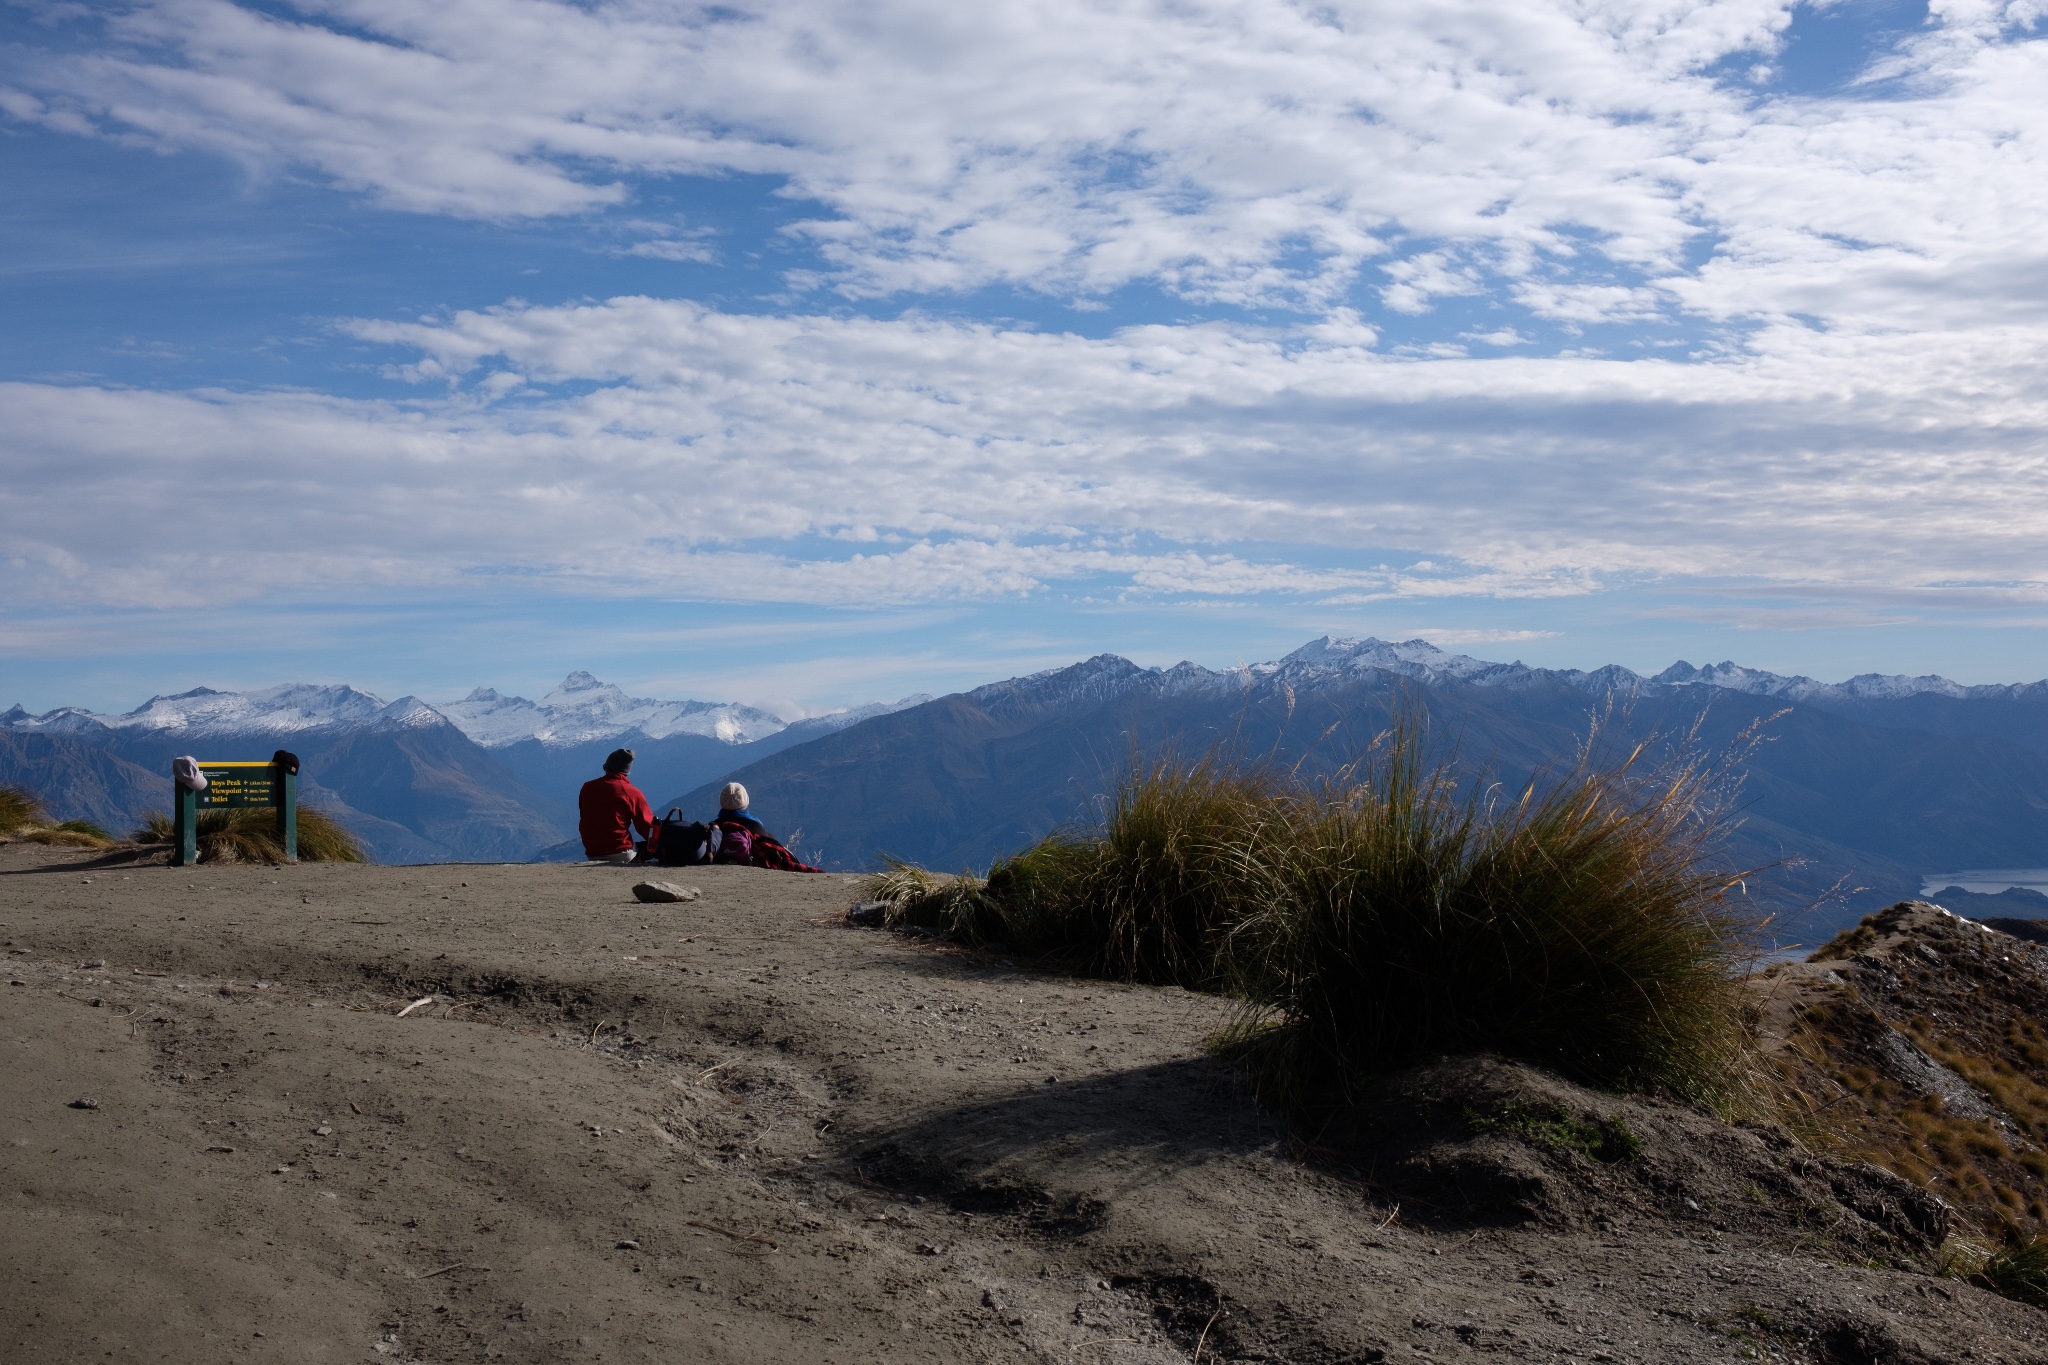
1239 300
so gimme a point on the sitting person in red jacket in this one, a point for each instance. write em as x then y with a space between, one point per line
612 811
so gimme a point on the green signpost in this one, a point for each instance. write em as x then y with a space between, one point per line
236 784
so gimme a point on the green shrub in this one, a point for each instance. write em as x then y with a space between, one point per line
1145 898
1581 926
1151 897
248 834
1548 1126
956 906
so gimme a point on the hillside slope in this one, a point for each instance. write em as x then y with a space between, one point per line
78 780
1919 1041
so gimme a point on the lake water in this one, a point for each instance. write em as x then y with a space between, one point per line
1989 880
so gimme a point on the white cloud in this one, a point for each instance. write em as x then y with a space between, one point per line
1563 153
1860 402
852 461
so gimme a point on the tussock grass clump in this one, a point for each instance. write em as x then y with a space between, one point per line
1385 917
1579 925
2018 1271
1144 898
70 834
22 817
248 834
956 906
17 809
1171 872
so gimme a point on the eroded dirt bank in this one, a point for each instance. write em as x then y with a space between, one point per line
737 1130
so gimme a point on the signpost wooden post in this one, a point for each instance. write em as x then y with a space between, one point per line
236 784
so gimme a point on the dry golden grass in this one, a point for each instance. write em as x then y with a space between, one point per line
248 834
22 817
17 809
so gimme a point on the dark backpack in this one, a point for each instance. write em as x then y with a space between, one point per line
683 843
731 843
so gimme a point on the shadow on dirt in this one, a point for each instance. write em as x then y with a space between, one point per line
1460 1144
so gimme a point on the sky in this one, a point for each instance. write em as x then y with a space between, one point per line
808 354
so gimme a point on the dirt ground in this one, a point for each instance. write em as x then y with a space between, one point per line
739 1129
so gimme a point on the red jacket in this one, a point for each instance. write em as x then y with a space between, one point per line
612 809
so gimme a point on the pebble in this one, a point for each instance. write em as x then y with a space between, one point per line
322 1131
664 891
84 1103
628 1245
220 1147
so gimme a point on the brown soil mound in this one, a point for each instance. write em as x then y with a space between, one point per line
1481 1141
332 1112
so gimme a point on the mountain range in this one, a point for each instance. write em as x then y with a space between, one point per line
1856 791
489 777
1863 786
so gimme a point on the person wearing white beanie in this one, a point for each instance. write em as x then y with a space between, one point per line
739 837
732 809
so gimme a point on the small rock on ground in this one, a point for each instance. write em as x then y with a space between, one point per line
664 891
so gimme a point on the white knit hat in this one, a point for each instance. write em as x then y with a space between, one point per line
734 797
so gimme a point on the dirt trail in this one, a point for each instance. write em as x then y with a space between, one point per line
738 1130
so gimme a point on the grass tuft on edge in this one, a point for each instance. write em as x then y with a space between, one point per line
1581 925
2018 1271
18 808
22 817
248 834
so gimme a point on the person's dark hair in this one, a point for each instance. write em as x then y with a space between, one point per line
618 761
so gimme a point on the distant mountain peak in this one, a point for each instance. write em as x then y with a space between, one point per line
584 708
409 712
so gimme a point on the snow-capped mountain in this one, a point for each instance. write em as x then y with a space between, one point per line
582 709
1865 686
1331 662
203 711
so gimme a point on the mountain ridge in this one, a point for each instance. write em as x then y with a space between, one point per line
579 711
582 709
1873 781
1846 803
